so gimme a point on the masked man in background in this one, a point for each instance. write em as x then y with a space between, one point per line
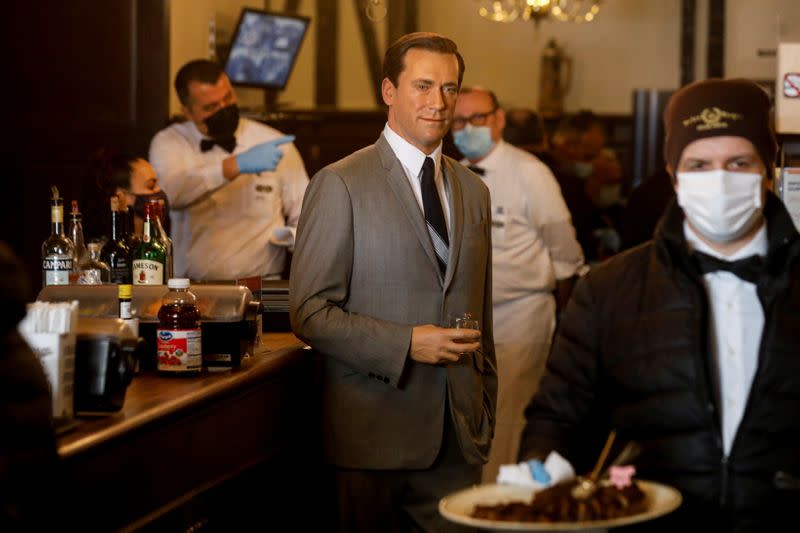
534 255
690 344
235 186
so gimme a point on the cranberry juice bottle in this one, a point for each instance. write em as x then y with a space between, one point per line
178 334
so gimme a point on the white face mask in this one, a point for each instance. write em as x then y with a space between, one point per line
721 205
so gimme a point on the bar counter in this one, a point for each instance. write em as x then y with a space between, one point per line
183 450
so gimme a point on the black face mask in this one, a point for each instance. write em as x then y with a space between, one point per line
223 123
142 199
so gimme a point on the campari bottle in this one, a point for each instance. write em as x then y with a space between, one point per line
150 258
57 249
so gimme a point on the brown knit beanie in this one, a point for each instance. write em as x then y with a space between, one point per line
717 107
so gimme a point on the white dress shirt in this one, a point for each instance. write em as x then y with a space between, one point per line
224 229
737 321
412 158
533 239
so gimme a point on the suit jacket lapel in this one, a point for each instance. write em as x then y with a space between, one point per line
456 218
399 184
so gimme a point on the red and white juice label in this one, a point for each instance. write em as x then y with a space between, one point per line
179 350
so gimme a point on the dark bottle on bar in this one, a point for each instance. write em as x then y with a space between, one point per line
115 252
132 238
165 240
57 249
150 258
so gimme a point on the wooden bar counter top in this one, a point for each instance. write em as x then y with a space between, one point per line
183 450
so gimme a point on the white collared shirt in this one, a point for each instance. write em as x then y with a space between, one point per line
411 159
224 229
737 322
533 240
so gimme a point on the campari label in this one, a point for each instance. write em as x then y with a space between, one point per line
56 269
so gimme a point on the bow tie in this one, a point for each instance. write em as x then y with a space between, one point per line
227 144
480 171
747 269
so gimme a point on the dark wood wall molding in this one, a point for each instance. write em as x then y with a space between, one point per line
688 28
716 38
402 18
327 22
371 49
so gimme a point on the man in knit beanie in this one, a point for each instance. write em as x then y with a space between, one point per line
688 344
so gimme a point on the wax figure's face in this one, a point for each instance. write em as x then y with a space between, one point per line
421 105
206 99
721 184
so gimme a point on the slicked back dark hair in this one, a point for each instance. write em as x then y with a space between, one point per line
394 59
201 70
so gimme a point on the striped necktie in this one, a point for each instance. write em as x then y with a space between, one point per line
434 216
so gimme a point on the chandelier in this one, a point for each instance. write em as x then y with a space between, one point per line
577 11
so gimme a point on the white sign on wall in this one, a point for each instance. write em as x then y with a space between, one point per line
787 91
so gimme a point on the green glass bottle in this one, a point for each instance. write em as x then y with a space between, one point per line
150 258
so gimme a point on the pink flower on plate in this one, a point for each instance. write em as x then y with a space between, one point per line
620 476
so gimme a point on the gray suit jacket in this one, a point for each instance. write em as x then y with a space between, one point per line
364 273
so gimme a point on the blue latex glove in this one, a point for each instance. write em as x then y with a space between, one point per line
261 157
538 472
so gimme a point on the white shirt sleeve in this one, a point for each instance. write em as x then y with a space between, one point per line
553 219
179 173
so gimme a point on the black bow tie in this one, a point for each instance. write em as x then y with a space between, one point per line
747 269
480 171
228 144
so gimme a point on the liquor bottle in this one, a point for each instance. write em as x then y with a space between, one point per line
116 253
165 240
150 258
57 249
75 233
93 271
131 237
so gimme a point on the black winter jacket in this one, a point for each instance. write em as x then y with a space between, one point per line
632 353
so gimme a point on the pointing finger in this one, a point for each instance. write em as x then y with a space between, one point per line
282 140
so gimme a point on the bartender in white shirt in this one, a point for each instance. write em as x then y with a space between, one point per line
235 186
534 254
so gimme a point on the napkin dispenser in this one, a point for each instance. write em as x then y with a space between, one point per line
230 318
105 359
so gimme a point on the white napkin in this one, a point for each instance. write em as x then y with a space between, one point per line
535 474
283 236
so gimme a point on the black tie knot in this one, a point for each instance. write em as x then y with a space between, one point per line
480 171
228 144
748 268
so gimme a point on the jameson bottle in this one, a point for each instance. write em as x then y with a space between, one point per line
115 253
80 254
150 258
57 249
165 240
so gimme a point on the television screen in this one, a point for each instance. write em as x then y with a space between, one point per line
264 48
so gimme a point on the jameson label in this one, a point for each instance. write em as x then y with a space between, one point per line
148 272
56 269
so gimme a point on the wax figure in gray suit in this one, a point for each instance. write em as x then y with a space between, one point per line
408 411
